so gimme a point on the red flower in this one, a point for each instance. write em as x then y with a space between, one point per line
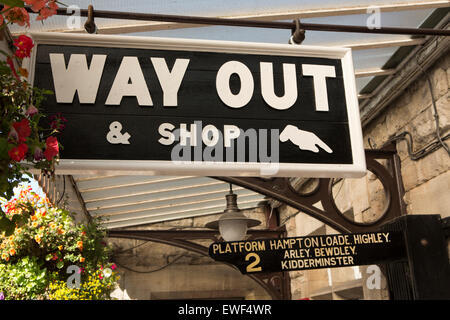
18 153
1 20
23 129
24 45
51 148
36 5
58 122
48 11
17 15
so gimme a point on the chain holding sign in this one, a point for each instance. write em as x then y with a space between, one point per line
315 252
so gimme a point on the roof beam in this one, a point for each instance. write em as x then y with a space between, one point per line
173 216
167 208
131 191
171 203
174 196
382 44
269 16
365 96
372 72
123 181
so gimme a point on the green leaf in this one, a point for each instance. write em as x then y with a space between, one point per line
6 225
21 219
48 257
3 147
60 264
10 190
14 3
4 69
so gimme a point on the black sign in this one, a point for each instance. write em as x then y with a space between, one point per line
314 252
200 107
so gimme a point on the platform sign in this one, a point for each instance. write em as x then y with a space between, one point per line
314 252
178 106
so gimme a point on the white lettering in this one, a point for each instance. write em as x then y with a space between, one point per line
290 86
230 132
170 80
223 84
129 81
210 141
319 74
165 130
184 134
78 77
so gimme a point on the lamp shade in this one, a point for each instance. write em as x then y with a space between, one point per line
233 224
233 230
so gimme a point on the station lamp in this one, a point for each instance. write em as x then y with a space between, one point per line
233 224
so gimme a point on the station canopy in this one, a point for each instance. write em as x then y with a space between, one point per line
135 200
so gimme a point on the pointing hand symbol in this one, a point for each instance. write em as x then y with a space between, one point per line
305 140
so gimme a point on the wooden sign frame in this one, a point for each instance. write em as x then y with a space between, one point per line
356 168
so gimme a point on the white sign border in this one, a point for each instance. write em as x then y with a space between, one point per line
151 167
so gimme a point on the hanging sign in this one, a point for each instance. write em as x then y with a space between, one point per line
314 252
177 106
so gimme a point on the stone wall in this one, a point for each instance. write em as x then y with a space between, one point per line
427 180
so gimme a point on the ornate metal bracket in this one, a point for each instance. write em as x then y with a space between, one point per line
281 189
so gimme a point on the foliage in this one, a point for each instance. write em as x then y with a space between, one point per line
21 137
44 245
38 241
26 279
97 286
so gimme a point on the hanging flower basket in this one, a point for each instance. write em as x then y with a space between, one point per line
24 143
50 257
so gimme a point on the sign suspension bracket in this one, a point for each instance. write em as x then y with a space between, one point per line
90 25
